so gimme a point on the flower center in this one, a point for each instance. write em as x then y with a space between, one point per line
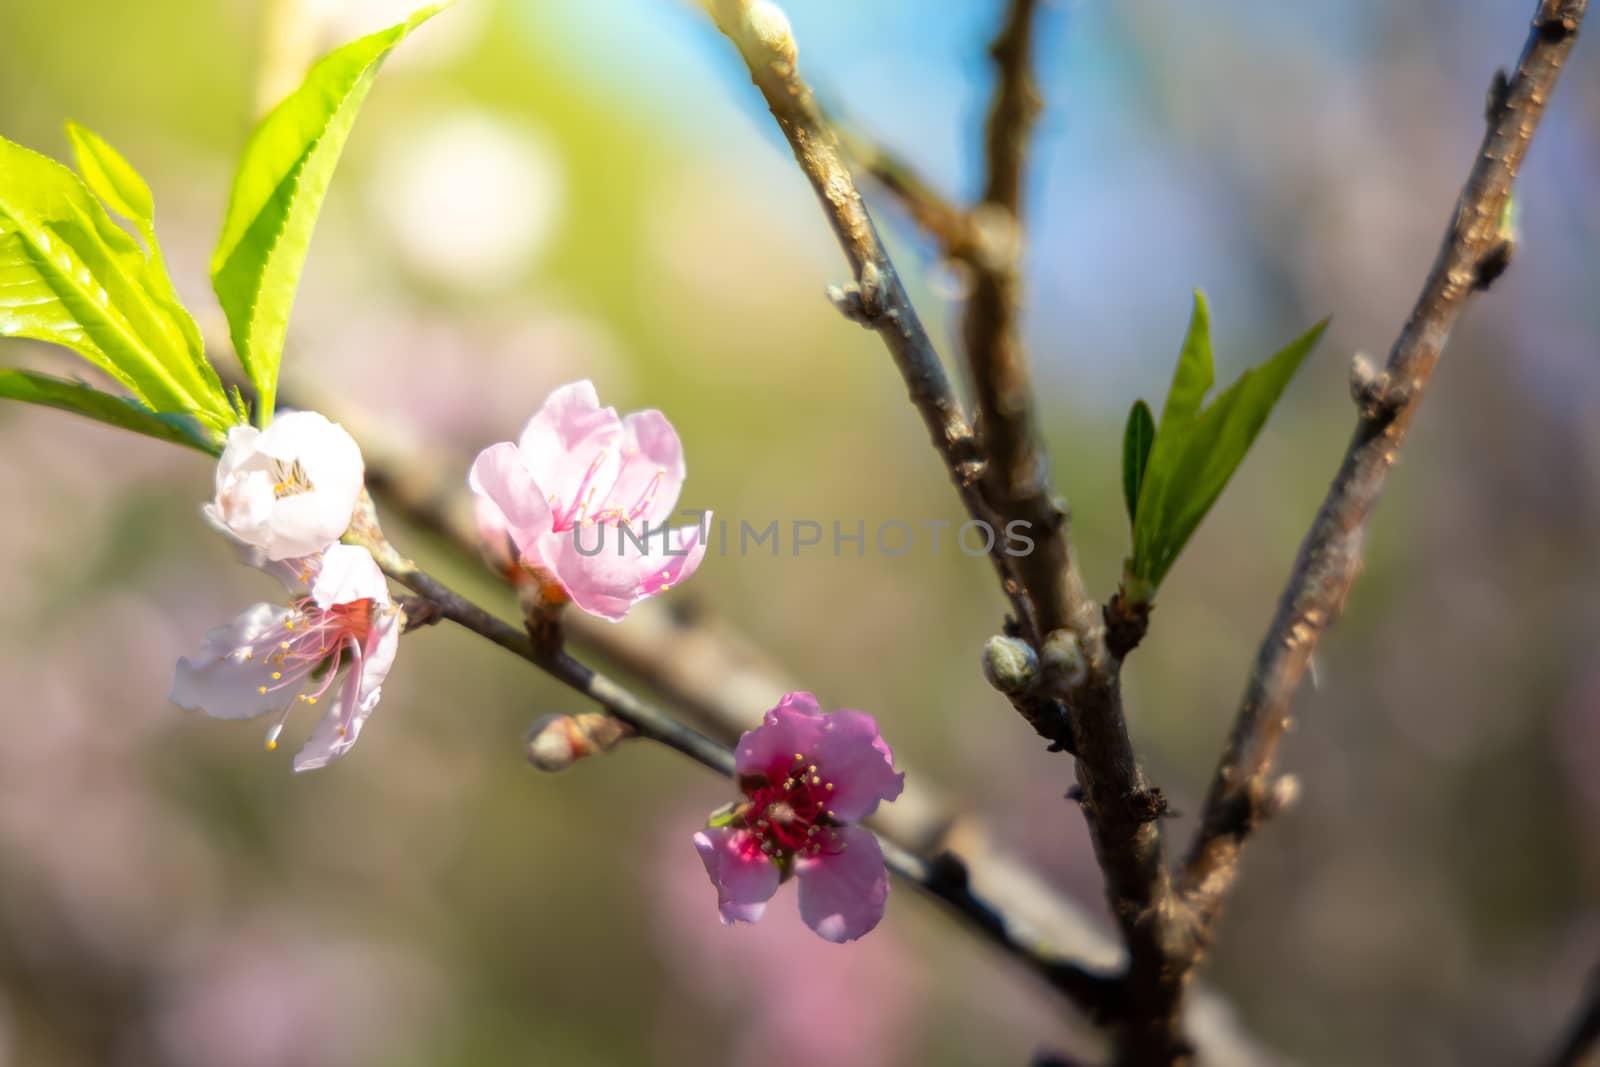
585 510
290 479
788 812
311 644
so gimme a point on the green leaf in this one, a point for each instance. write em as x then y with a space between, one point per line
125 412
71 276
278 191
1194 375
1191 380
1194 457
1137 438
110 177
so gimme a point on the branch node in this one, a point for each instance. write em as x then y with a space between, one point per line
1499 96
861 301
1494 263
1148 805
417 612
1374 392
1126 624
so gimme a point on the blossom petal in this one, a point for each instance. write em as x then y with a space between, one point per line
330 456
348 574
240 447
494 531
597 566
842 894
855 758
500 477
662 569
224 685
744 877
652 474
573 443
303 525
791 728
296 573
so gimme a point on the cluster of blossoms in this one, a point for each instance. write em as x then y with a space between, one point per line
286 494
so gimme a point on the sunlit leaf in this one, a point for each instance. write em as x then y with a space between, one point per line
71 276
1196 450
121 188
278 192
123 412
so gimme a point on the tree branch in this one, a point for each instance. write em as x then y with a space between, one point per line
1122 809
1017 476
1330 556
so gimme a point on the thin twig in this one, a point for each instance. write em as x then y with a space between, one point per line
946 223
1330 556
876 298
1017 475
1580 1045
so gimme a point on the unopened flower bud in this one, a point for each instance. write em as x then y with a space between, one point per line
556 742
769 25
1010 664
1063 657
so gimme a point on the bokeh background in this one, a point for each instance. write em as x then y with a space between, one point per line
541 190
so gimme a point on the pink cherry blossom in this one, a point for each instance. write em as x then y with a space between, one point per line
806 778
339 635
290 489
584 497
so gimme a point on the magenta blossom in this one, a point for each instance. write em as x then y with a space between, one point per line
339 636
806 778
584 498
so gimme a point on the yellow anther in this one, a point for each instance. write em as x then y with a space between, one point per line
272 746
829 787
811 769
815 780
276 675
261 689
